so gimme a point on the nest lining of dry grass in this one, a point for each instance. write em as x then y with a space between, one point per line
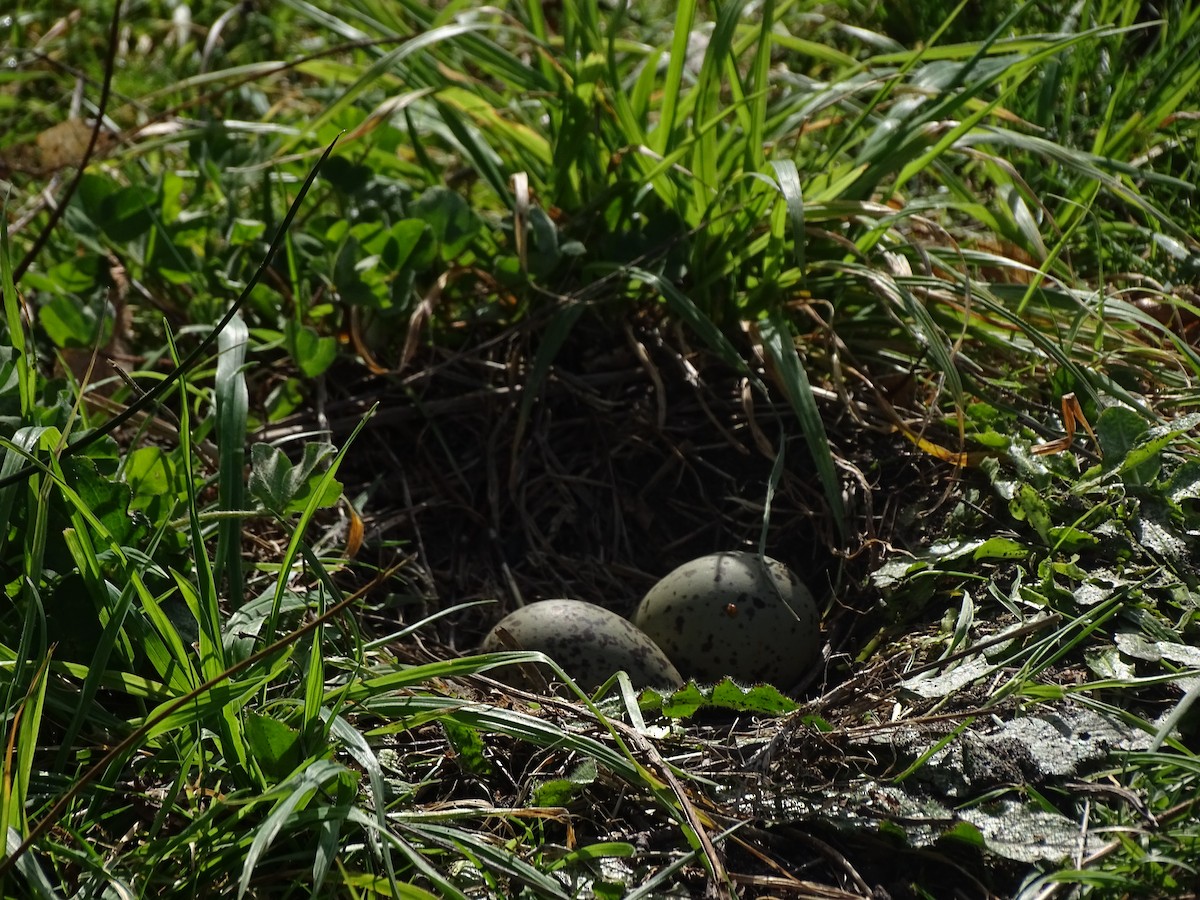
640 451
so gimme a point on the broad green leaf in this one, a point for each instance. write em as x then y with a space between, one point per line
965 832
124 214
469 746
561 791
409 243
312 352
453 221
273 745
1142 464
107 499
1069 539
760 699
70 323
1029 506
150 474
247 231
1118 429
1001 548
346 176
282 487
1182 489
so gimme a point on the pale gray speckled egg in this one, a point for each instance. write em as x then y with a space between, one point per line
734 614
588 641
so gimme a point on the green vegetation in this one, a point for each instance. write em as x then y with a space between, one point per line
347 320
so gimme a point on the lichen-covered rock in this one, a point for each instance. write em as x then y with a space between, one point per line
589 642
734 614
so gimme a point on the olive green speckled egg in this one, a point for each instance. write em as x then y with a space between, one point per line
589 642
734 614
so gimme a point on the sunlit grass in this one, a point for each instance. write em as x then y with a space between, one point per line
990 212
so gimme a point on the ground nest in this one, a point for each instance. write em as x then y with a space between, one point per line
637 451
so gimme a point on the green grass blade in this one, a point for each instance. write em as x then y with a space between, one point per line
202 598
232 414
788 178
703 103
487 854
314 676
206 704
294 793
21 358
115 635
32 645
33 615
35 877
83 551
780 347
758 88
683 306
446 889
297 539
19 755
380 69
356 745
476 148
662 138
24 441
169 659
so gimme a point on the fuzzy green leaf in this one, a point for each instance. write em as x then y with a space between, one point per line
282 487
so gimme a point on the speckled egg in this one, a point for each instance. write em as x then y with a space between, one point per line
588 641
735 614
